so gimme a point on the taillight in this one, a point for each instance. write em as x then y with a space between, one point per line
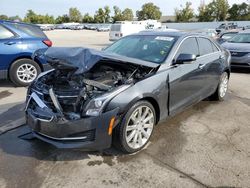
47 42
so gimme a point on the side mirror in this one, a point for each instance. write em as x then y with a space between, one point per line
184 58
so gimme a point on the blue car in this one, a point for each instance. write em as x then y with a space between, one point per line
18 41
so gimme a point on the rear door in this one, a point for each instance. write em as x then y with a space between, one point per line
9 47
186 81
210 65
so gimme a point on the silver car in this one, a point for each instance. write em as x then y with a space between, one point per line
239 47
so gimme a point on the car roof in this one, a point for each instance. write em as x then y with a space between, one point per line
15 22
171 33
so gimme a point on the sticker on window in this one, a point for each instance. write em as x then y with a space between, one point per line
164 38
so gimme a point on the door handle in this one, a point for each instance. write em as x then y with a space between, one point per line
201 66
10 43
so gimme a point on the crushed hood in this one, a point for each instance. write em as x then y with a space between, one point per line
83 59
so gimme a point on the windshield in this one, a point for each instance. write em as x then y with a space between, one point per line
144 47
228 36
241 38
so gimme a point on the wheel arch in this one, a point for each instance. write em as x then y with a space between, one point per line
155 104
227 70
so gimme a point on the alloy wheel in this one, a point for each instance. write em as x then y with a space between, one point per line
26 73
139 127
223 85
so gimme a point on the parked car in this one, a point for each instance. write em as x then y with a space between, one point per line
246 27
225 36
239 46
93 98
18 41
46 27
226 26
103 28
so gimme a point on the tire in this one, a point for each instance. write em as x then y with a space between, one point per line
222 88
123 139
24 71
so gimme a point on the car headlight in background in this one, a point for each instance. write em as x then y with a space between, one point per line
96 106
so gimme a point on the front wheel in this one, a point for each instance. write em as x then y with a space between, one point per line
135 130
221 91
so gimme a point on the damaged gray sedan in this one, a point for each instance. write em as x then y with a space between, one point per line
91 99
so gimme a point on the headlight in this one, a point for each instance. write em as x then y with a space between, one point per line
95 106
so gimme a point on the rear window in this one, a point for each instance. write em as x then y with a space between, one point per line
116 27
33 31
205 46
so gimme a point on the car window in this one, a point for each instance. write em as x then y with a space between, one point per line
240 38
188 46
5 33
205 46
31 30
228 36
215 48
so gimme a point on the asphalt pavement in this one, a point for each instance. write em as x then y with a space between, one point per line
207 145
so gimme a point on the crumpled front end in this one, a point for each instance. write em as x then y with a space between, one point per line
67 107
91 133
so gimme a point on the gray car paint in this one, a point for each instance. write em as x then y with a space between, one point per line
173 88
242 61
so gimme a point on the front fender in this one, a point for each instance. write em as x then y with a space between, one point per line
155 87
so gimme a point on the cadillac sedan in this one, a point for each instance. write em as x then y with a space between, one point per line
91 99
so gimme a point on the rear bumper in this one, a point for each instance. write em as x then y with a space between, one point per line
87 133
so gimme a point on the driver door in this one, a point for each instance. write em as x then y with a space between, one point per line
185 80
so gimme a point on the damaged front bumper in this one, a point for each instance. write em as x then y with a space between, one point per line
90 133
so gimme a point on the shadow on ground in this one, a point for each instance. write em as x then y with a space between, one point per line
6 83
166 140
241 70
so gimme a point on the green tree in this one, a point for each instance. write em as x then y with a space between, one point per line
205 13
107 14
102 15
4 17
87 18
127 14
75 15
239 12
99 16
149 11
48 19
62 19
118 16
184 14
15 18
219 9
31 17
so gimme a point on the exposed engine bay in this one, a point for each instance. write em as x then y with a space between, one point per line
71 95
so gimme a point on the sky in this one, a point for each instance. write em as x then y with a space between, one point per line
60 7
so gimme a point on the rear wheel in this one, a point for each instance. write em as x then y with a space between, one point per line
221 91
136 128
23 72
